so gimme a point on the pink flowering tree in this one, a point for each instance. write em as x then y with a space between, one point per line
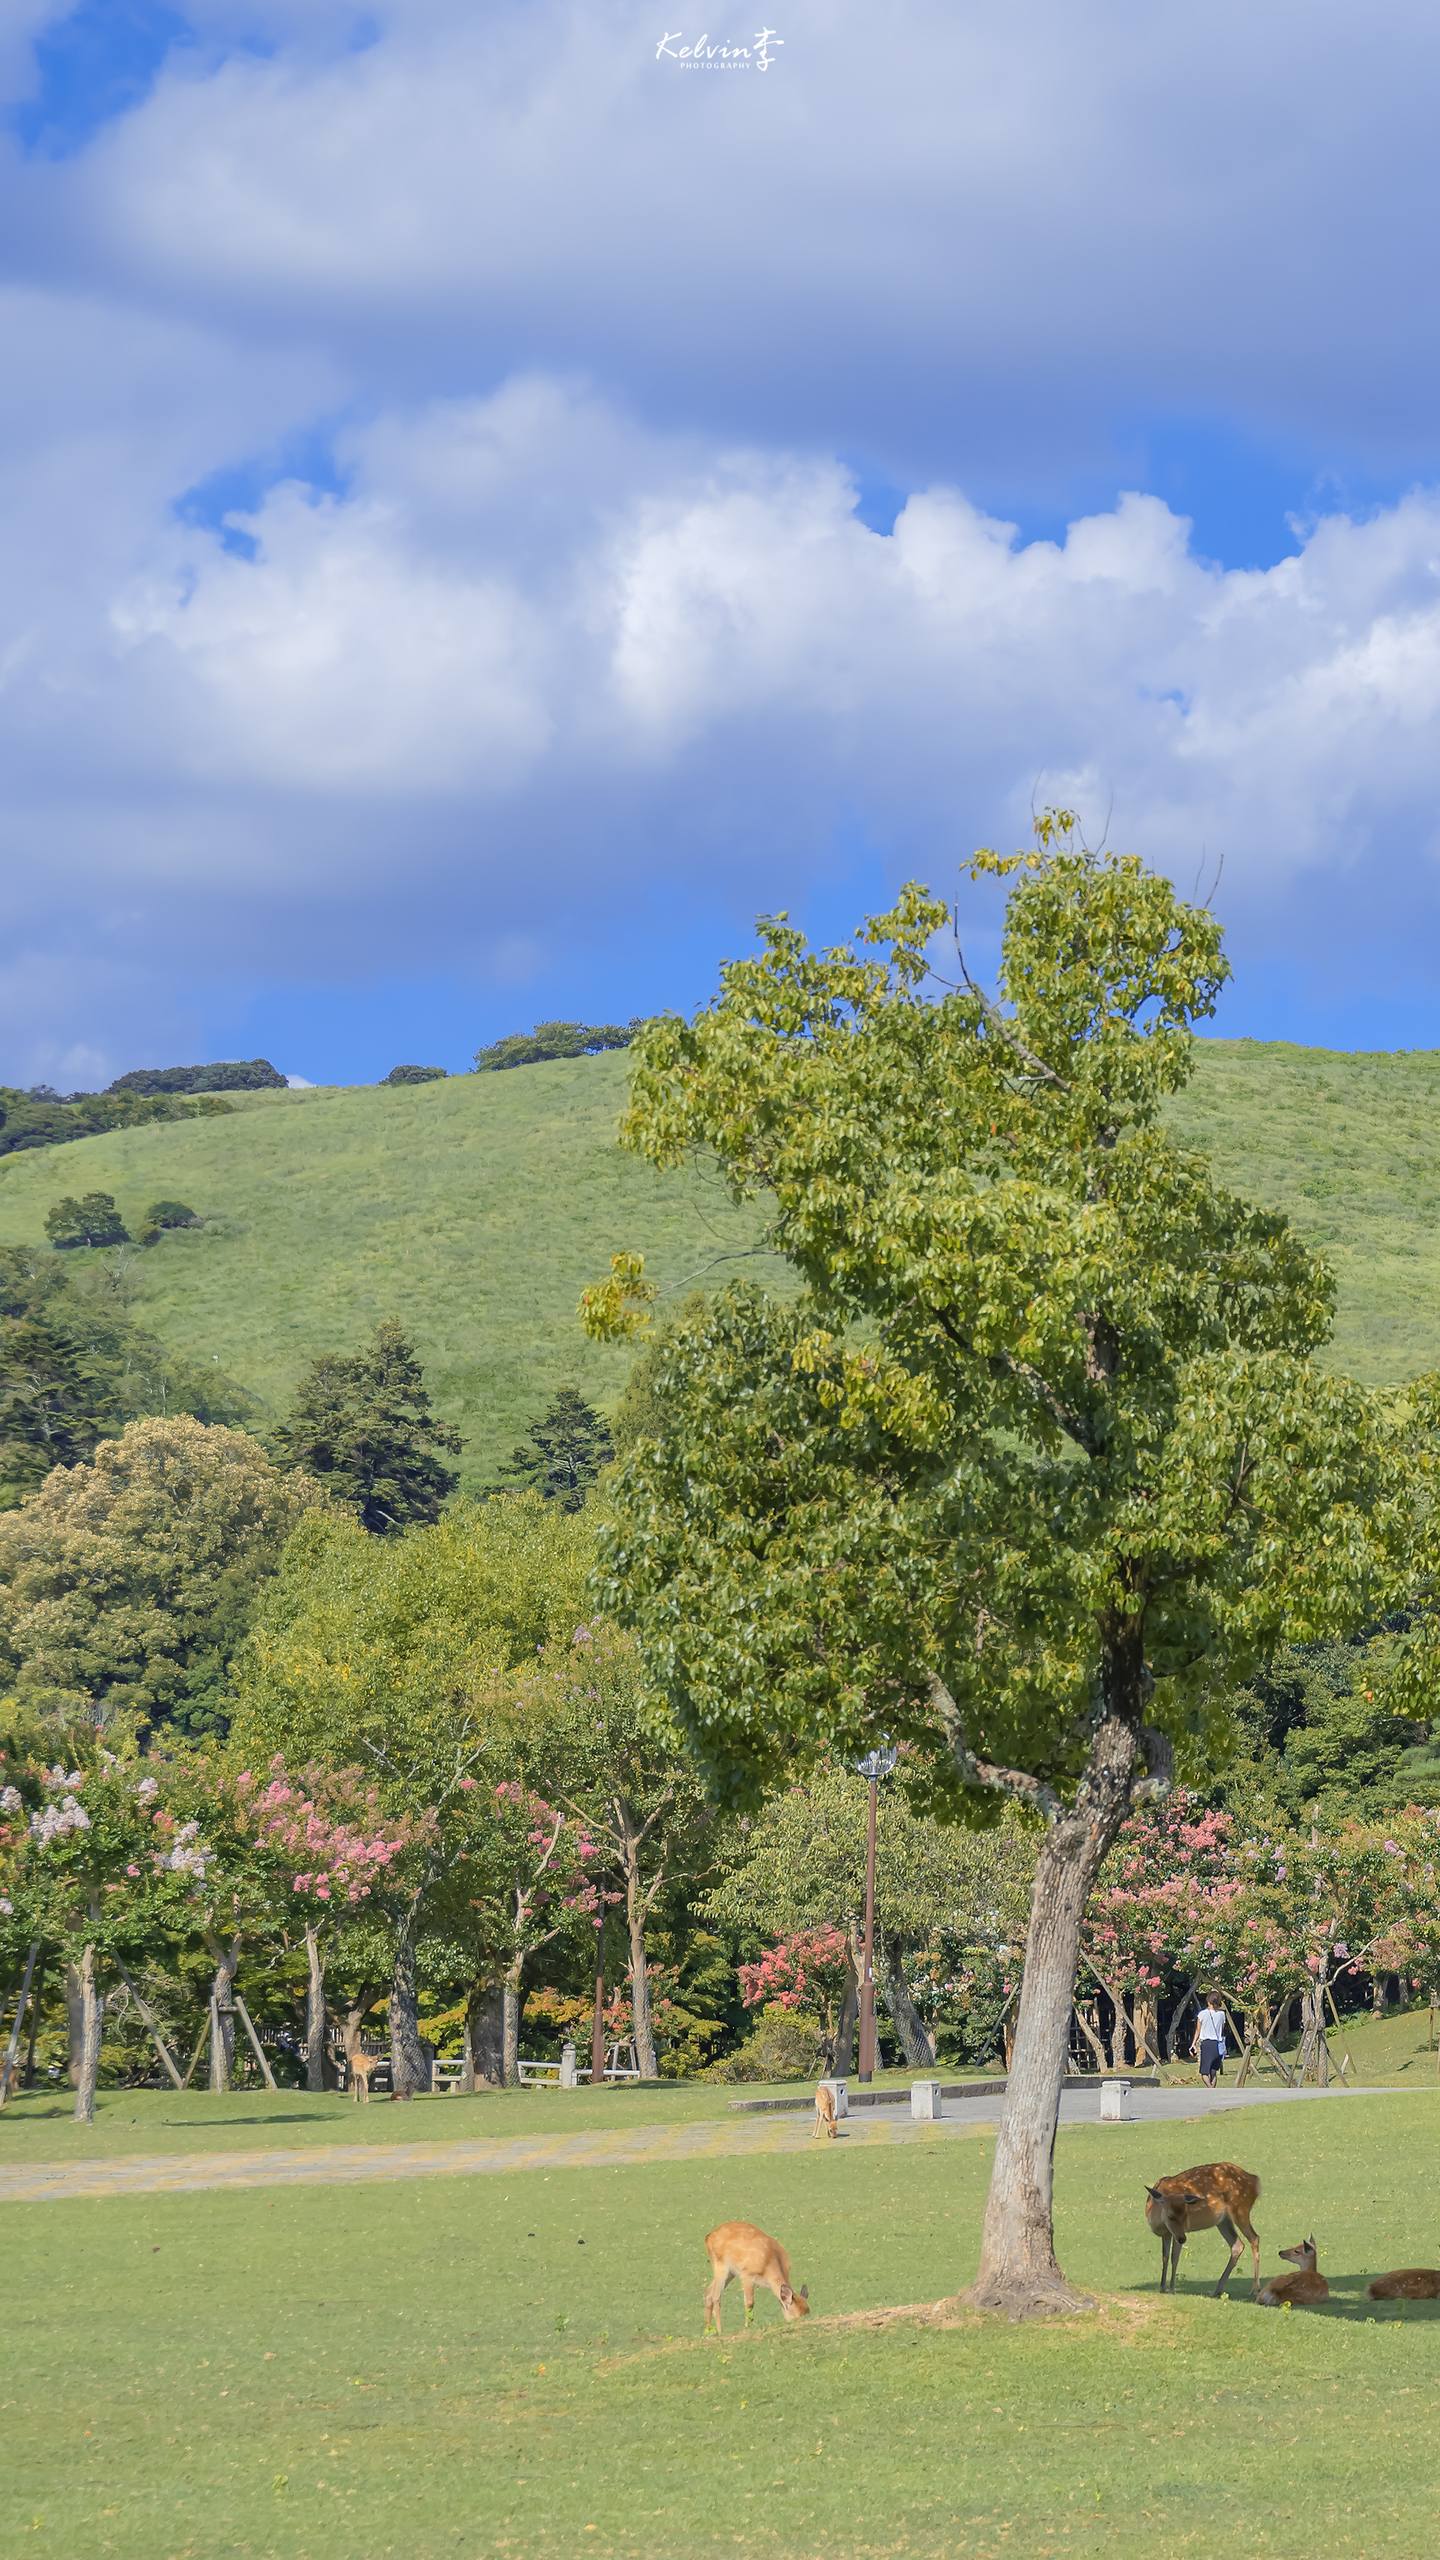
1160 1913
1407 1936
809 1970
260 1852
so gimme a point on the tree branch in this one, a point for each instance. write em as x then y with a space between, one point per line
1159 1776
1001 1365
988 1773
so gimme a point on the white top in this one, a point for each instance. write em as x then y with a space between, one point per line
1212 2027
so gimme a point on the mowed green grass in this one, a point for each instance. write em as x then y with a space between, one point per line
513 2366
476 1210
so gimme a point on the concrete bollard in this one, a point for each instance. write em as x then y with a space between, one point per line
839 2093
925 2100
1114 2095
569 2076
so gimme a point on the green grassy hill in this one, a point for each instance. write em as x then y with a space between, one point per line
477 1209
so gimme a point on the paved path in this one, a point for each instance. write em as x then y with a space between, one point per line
361 2164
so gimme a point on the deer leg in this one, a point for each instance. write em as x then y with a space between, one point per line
747 2287
713 2295
1253 2237
1227 2231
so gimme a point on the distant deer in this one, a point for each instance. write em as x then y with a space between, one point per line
360 2067
1218 2197
1300 2291
738 2249
824 2115
1407 2284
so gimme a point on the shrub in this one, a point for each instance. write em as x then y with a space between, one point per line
784 2044
555 1040
415 1075
166 1213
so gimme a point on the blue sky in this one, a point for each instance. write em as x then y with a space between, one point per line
488 510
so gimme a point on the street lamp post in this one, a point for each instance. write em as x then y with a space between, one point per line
875 1766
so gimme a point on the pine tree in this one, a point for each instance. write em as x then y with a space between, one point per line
362 1423
562 1453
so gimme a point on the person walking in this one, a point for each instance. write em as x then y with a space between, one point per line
1209 2042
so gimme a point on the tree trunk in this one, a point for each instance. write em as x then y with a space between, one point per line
484 2038
409 2064
92 2013
916 2042
511 1999
222 2014
1147 2044
1019 2272
1314 2051
315 2017
1172 2030
640 2018
843 2059
74 2023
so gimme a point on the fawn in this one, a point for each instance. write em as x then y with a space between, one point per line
739 2249
824 2115
359 2067
1218 2197
1407 2284
1307 2285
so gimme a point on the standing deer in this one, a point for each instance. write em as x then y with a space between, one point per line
738 2249
1218 2197
359 2068
1297 2292
1407 2284
824 2115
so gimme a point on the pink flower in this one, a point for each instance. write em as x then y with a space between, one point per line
132 1871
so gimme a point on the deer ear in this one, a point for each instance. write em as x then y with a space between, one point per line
1152 2191
804 2293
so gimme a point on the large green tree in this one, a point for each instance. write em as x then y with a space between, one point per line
362 1423
1039 1456
127 1581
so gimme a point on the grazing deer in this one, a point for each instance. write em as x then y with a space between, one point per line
739 2249
359 2067
824 2115
1306 2286
1407 2284
1218 2197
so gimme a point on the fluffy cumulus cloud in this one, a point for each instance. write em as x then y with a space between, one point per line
573 587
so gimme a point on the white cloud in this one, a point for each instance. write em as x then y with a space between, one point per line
531 644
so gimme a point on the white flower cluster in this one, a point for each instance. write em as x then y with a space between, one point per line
57 1819
59 1776
10 1800
189 1855
147 1788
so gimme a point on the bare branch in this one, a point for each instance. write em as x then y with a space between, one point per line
988 1773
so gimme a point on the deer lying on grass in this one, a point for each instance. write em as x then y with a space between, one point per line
1218 2197
824 2115
738 2249
1407 2284
1297 2292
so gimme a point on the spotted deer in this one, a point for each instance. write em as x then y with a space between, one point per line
1298 2292
824 2124
739 2250
1218 2197
1406 2284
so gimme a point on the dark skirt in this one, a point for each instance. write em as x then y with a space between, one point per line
1210 2058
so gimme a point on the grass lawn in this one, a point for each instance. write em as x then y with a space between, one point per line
514 2366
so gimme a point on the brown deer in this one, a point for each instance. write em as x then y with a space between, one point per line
1218 2197
1407 2284
824 2115
359 2067
738 2249
1297 2292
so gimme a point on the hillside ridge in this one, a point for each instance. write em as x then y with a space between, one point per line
476 1209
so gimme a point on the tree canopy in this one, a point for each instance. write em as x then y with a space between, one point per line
554 1040
362 1423
127 1581
563 1452
93 1219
